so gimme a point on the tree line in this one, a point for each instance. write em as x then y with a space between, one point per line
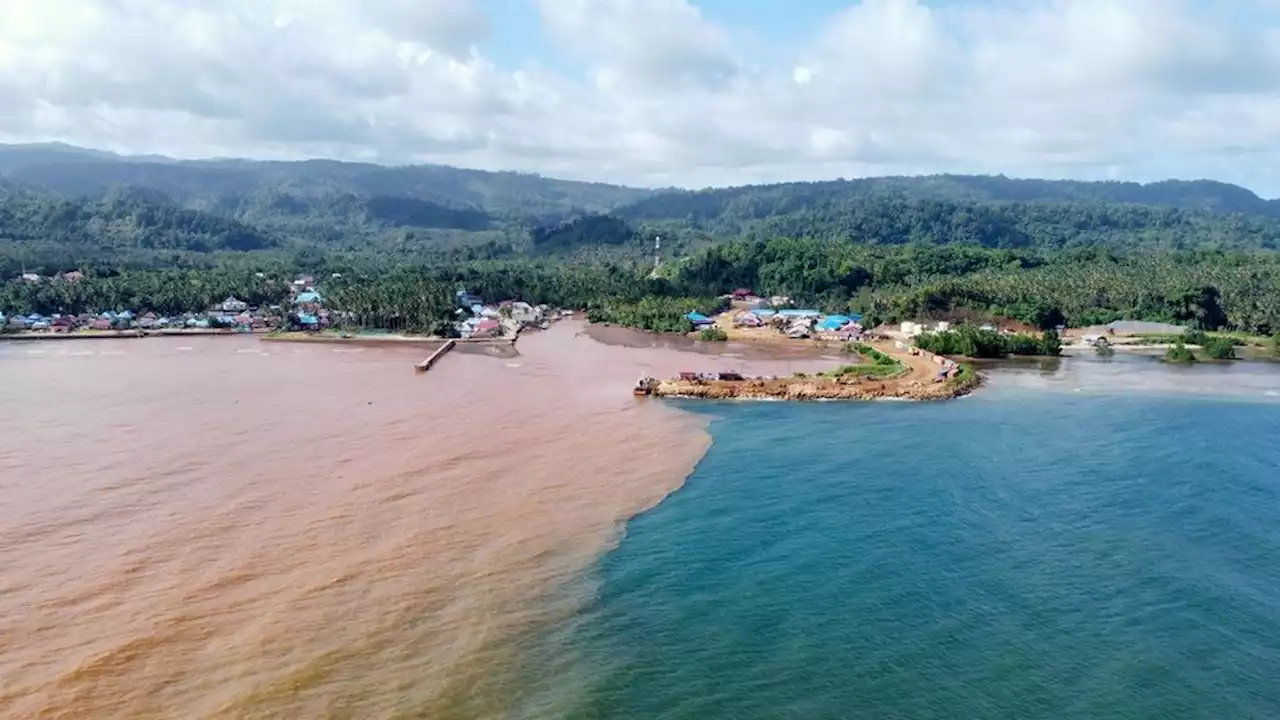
973 342
1210 290
1041 252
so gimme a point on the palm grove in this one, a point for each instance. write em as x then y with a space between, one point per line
174 237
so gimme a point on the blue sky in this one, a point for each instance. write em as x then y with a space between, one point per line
775 27
778 27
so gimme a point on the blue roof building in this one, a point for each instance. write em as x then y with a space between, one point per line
307 298
698 318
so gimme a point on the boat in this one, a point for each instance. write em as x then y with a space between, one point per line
644 386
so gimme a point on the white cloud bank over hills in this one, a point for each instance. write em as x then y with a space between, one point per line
1134 89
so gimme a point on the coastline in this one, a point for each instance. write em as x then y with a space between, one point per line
378 339
807 389
30 336
910 374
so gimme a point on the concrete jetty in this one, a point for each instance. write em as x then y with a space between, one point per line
425 365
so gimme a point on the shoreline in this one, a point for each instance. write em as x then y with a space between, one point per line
910 374
815 389
384 340
31 336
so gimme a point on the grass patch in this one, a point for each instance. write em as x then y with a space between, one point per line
873 372
879 367
965 378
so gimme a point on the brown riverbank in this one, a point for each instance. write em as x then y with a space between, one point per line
915 379
377 339
42 335
743 348
813 389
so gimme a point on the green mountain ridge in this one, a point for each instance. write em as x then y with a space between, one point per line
61 205
204 184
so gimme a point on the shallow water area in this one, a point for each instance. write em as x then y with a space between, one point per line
1128 373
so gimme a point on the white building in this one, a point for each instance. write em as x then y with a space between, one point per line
523 313
232 305
911 329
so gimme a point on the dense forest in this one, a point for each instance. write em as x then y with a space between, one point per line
167 235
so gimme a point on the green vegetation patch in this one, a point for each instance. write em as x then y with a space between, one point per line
977 343
879 366
1180 354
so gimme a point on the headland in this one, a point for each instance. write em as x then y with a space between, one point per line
885 370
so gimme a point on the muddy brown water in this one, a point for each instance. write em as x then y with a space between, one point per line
222 527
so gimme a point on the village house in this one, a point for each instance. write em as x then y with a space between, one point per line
699 320
520 312
487 328
309 301
233 305
468 300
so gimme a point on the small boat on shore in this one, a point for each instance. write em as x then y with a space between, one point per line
644 387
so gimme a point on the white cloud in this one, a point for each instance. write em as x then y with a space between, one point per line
1090 88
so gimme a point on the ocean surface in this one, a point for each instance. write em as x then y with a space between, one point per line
224 528
1023 553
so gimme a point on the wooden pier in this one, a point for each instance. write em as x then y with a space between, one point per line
425 365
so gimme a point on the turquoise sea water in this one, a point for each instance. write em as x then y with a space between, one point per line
1017 554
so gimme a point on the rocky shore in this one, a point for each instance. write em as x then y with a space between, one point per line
818 388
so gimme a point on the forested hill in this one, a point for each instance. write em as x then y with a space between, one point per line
91 204
896 220
761 200
208 184
123 221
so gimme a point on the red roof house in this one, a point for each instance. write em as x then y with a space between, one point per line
486 327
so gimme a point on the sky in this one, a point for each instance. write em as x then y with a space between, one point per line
663 92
